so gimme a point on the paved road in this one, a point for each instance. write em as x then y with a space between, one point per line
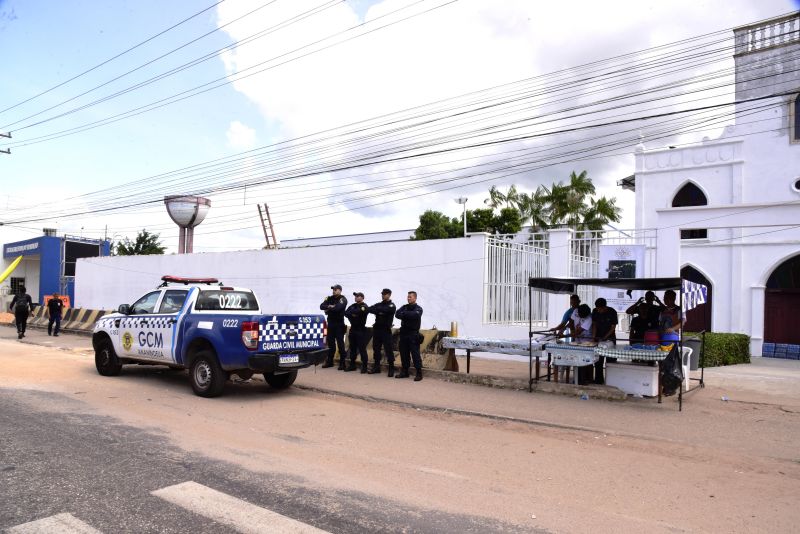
62 469
395 455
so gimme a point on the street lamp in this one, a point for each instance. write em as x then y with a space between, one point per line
463 200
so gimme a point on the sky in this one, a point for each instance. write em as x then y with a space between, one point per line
343 116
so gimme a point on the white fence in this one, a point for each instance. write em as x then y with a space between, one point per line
509 266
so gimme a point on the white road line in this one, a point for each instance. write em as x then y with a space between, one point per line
236 513
61 523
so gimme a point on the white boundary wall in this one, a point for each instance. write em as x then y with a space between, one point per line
448 275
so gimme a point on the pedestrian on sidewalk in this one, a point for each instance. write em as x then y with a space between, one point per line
357 315
334 307
410 316
55 307
382 332
22 306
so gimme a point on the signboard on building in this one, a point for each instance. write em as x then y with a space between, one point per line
621 261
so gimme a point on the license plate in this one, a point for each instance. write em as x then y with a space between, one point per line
289 358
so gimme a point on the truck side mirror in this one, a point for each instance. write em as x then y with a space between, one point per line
124 309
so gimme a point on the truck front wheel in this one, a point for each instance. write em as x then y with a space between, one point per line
105 359
208 378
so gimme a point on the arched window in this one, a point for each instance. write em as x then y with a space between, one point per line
796 119
691 195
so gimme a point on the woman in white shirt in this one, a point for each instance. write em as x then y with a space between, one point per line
583 324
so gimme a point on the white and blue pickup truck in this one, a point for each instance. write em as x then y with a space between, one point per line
210 329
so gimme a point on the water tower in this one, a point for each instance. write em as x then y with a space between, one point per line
187 212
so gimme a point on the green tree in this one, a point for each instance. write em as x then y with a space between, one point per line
480 220
145 243
436 225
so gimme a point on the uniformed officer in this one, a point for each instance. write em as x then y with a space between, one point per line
358 337
334 307
410 316
382 332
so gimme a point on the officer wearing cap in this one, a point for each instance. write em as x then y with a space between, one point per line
334 307
382 331
410 316
358 336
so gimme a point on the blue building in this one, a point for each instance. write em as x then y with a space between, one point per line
48 263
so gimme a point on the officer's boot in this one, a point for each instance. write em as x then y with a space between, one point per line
376 368
351 366
391 370
419 375
363 367
328 363
341 364
402 374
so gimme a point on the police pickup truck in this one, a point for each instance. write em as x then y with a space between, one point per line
210 329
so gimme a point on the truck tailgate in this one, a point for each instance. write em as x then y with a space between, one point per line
289 334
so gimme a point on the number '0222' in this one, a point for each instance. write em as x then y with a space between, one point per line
230 302
230 323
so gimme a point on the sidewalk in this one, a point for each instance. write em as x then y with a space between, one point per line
759 416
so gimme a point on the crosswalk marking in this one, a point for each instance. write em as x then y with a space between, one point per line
236 513
61 523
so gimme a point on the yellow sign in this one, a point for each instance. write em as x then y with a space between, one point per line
127 341
10 269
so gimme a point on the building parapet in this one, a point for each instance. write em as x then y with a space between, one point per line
767 34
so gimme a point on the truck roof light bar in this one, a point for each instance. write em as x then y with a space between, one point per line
168 279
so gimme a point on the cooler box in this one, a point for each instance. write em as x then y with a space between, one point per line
633 379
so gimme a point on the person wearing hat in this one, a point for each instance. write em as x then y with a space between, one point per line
410 316
358 336
334 307
382 331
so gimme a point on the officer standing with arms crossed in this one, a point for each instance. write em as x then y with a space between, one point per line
382 332
357 315
334 307
410 316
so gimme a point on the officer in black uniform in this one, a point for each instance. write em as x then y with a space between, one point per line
382 332
22 306
358 336
334 307
410 316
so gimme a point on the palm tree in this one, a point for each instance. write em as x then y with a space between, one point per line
497 198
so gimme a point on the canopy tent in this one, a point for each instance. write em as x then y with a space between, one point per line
695 294
691 293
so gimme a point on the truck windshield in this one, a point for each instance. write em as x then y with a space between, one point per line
219 299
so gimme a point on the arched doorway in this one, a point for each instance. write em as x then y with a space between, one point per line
691 195
698 318
781 302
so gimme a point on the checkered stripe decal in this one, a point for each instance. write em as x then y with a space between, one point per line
164 321
279 332
633 354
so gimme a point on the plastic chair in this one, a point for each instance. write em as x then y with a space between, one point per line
687 356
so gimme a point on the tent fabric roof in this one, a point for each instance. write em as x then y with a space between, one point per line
568 285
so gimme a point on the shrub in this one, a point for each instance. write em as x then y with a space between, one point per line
724 348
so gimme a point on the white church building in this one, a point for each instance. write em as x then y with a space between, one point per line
727 210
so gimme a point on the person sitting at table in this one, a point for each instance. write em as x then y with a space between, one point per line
645 325
568 319
671 319
583 326
604 329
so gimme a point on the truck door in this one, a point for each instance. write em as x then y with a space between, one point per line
137 340
164 325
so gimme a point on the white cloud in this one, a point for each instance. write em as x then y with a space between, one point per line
240 136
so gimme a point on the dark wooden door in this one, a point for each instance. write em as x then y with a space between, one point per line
699 318
781 316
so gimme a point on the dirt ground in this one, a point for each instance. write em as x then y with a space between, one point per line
540 461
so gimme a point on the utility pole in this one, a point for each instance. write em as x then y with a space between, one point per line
8 150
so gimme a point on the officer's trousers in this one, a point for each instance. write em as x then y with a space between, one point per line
358 338
382 339
409 351
336 338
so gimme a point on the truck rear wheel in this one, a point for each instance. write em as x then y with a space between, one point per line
281 381
207 377
105 359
